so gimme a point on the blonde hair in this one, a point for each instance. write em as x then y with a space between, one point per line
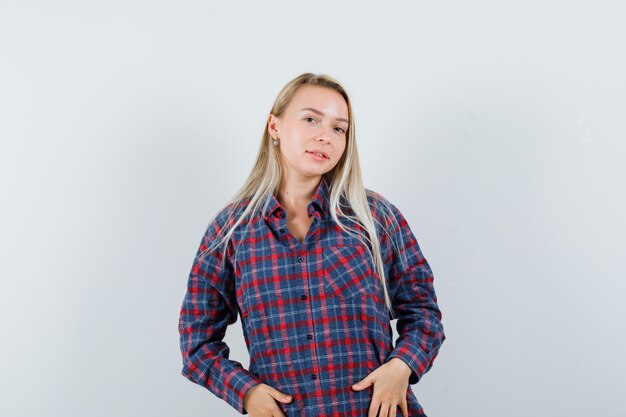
344 179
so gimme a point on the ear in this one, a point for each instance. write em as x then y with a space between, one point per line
273 124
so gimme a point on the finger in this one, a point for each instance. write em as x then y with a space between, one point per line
283 398
405 408
362 383
384 410
373 411
393 410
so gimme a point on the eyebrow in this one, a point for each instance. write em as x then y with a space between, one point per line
341 119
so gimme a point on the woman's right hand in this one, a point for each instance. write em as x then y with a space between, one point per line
260 401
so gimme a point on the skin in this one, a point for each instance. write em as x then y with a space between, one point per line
390 381
300 131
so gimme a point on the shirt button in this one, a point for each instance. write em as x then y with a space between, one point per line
303 297
313 376
300 259
309 336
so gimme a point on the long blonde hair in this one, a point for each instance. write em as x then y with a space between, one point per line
346 184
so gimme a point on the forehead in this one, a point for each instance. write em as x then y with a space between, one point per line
324 99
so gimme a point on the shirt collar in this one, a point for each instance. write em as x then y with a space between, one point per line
319 202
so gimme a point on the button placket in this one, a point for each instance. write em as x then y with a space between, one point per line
308 330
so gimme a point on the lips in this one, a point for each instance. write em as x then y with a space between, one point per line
320 153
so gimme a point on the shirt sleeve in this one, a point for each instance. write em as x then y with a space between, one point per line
208 307
410 284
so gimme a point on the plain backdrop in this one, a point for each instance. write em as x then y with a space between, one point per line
497 128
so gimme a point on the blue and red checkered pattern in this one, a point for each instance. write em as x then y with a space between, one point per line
312 312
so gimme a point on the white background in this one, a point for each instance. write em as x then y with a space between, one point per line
496 127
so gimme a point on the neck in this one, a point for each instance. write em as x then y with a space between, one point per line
297 193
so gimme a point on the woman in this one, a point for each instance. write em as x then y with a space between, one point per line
316 266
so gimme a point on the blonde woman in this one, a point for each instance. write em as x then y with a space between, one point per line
316 266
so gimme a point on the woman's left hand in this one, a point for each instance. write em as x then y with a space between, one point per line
390 381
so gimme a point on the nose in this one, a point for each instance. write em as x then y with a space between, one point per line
324 137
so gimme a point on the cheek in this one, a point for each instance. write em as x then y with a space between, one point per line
342 149
293 150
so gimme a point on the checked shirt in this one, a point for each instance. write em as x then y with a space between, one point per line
312 312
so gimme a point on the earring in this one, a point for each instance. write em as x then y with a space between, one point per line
275 141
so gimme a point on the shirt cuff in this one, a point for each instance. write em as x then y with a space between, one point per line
228 380
236 385
414 361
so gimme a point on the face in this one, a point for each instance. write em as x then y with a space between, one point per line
316 120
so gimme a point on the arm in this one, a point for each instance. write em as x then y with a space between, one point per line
208 307
420 332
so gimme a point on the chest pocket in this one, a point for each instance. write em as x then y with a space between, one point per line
348 271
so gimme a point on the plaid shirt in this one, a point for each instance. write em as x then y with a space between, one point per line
313 313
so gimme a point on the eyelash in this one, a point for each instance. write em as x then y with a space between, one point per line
342 130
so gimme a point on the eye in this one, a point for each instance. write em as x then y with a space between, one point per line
341 129
307 118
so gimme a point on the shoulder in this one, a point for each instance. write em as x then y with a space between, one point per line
220 225
382 208
228 215
387 216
